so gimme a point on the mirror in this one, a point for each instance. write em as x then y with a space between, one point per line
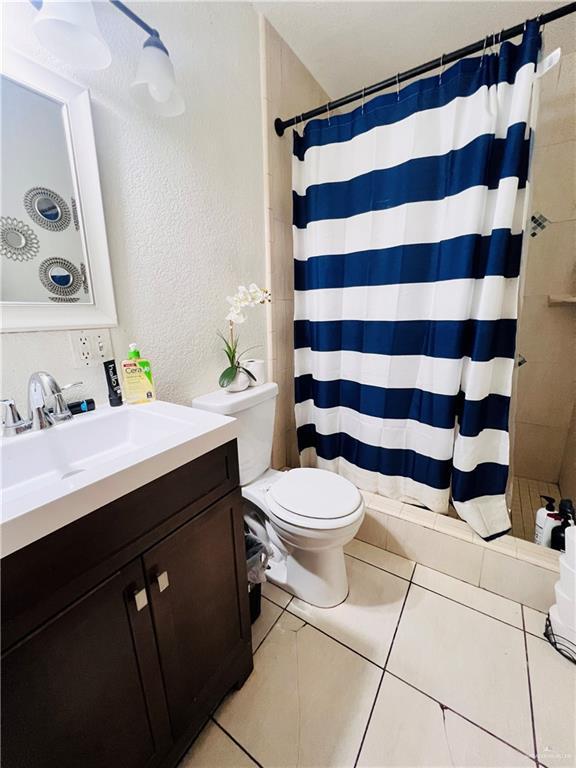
53 253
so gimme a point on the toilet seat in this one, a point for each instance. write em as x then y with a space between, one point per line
314 499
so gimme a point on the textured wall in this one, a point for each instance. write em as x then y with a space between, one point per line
183 197
547 334
287 88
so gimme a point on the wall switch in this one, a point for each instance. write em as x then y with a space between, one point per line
91 348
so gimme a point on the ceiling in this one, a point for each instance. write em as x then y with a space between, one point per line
347 45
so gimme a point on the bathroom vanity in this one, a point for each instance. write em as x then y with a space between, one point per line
123 629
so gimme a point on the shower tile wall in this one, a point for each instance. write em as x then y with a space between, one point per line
287 88
544 435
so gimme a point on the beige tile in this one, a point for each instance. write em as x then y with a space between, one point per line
306 703
281 182
530 459
553 680
505 544
525 583
452 527
468 661
388 561
283 325
366 620
543 396
474 597
550 263
214 749
545 334
553 175
374 528
418 515
557 113
282 285
436 550
543 557
277 595
534 621
278 451
264 623
409 730
384 504
292 454
568 471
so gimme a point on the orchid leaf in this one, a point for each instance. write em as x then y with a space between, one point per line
228 376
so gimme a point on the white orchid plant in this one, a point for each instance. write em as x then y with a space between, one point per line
244 298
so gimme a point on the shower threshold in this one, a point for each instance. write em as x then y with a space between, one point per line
525 503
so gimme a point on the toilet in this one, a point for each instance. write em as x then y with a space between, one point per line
308 515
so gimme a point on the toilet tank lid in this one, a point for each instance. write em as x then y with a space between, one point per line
228 403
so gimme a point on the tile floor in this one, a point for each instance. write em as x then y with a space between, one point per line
415 668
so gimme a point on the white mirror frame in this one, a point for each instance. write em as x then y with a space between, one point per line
102 312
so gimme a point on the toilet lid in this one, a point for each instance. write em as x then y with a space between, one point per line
316 493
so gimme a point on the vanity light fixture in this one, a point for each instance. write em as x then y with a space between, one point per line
70 31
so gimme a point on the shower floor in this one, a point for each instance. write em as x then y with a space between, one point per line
525 503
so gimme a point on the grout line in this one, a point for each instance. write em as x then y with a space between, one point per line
459 714
379 567
335 639
237 743
274 601
530 690
441 594
254 650
471 607
382 677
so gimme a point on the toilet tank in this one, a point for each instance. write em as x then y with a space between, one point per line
254 408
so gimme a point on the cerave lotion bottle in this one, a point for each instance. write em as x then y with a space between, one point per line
137 377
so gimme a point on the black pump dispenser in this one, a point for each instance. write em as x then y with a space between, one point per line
567 514
550 502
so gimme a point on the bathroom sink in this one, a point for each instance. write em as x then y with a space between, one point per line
53 477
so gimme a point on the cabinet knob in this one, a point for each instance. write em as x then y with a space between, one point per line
162 580
141 599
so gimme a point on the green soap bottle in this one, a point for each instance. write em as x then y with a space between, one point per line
137 376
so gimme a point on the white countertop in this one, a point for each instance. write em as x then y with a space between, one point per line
53 477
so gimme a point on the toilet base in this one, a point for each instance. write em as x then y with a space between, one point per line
316 576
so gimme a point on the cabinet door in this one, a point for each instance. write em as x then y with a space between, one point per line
85 689
199 597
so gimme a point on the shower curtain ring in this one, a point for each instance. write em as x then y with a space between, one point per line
441 69
363 95
541 26
483 51
328 110
398 86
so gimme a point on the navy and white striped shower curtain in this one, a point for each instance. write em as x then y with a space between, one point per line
408 223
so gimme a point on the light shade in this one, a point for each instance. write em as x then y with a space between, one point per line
70 31
154 87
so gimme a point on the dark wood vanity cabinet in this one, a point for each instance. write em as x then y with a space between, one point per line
126 673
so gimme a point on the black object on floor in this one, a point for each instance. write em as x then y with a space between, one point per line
255 597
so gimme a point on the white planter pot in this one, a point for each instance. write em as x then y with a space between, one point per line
240 383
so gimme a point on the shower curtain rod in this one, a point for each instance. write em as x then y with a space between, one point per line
447 58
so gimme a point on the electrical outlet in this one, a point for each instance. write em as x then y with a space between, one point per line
90 348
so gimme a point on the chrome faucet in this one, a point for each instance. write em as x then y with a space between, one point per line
12 422
41 385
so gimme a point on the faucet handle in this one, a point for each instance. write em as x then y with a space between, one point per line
60 411
12 422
